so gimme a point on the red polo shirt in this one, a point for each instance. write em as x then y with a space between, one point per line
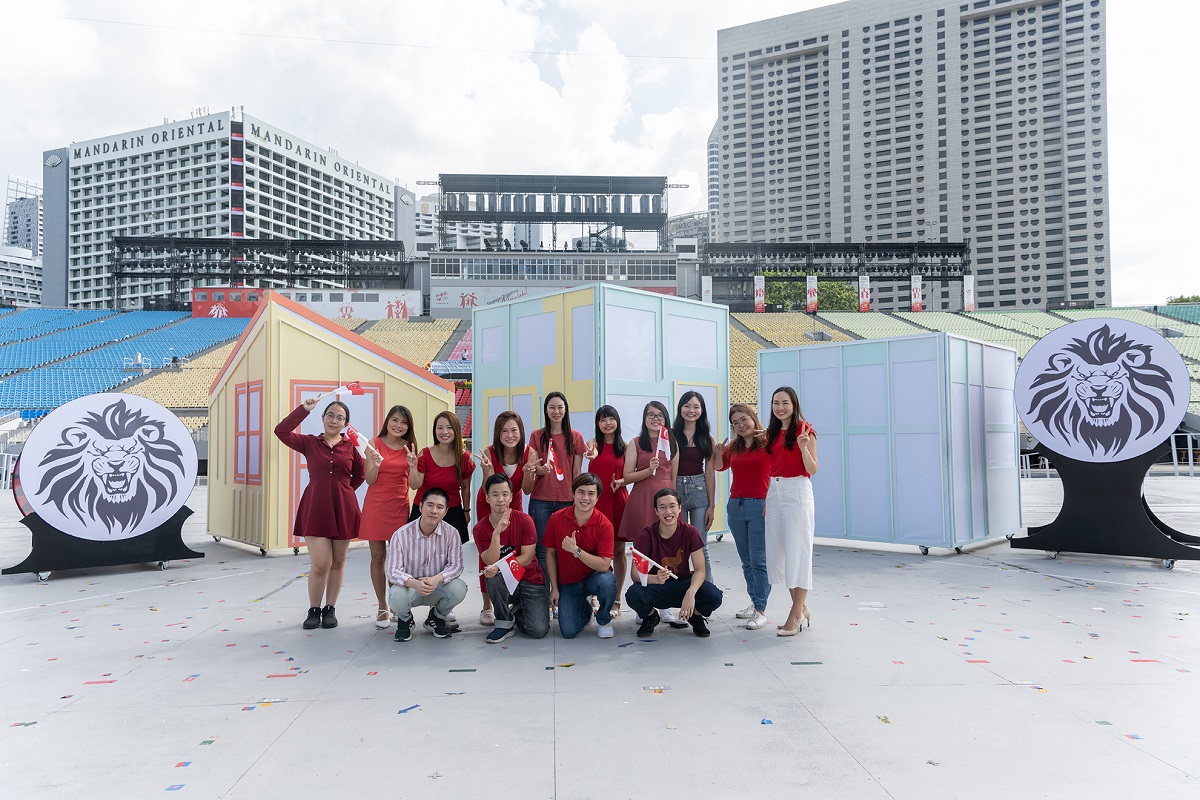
595 536
520 532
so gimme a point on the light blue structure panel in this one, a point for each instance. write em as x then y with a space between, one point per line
916 436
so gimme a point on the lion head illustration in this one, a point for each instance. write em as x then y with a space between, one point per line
1102 391
112 468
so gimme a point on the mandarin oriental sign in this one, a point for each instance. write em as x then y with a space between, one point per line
164 135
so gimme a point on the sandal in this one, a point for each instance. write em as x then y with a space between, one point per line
616 609
382 618
487 617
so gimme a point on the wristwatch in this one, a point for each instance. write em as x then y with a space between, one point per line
578 551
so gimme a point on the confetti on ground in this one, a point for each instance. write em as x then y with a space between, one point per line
372 673
22 724
1103 722
406 710
1132 736
183 764
671 726
626 644
932 763
1144 660
93 683
884 720
549 667
568 664
463 670
729 663
190 678
806 663
767 722
656 689
455 694
213 740
175 787
977 661
284 675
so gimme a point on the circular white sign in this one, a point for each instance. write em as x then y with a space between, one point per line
108 466
1102 389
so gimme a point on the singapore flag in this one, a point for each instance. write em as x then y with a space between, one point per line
512 571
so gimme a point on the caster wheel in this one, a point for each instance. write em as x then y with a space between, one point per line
1053 555
295 551
958 550
164 564
720 536
1168 563
262 550
1009 536
924 550
216 538
43 577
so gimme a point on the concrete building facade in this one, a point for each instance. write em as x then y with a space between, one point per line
926 120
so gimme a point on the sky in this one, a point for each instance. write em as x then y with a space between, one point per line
411 90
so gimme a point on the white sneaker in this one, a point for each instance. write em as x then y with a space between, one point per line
669 615
637 619
605 632
451 618
746 613
757 621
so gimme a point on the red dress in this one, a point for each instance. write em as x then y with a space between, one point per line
442 477
328 507
639 512
482 509
607 466
385 508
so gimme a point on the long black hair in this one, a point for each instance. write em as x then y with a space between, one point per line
702 438
605 412
775 426
547 442
644 436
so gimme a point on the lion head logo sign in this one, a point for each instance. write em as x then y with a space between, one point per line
108 466
1102 390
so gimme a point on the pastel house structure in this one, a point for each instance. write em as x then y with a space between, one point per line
286 355
917 436
599 344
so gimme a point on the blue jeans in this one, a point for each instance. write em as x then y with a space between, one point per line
693 498
541 510
574 610
528 608
746 523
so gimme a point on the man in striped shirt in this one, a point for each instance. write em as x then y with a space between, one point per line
424 562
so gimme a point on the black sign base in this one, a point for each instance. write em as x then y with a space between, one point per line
1104 512
55 550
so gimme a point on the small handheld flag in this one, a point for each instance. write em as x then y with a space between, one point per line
664 445
552 462
353 388
359 441
644 563
512 571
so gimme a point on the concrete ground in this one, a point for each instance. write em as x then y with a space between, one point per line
998 673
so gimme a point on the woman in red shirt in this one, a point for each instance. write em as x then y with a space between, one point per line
747 457
327 517
552 488
448 467
508 454
648 470
386 505
606 460
792 443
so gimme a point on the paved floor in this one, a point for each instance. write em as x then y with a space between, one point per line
998 673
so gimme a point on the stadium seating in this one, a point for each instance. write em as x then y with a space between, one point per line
187 388
1138 315
743 367
351 323
419 342
871 325
30 323
1188 312
63 343
463 350
788 330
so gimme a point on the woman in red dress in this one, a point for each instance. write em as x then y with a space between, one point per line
508 454
448 467
328 516
606 460
386 506
648 473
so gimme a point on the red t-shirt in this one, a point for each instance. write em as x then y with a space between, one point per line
520 532
548 487
788 463
751 472
595 536
482 508
674 552
442 477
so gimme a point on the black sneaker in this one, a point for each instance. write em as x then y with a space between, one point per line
699 627
328 618
454 627
648 624
498 635
404 629
313 620
439 627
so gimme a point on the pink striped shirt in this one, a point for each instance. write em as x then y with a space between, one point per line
411 554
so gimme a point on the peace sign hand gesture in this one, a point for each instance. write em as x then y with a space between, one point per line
485 464
592 451
410 453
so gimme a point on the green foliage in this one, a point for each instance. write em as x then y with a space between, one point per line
1189 298
831 295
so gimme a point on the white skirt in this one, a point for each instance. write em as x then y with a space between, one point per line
789 532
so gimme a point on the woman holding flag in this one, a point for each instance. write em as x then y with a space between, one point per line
556 463
792 445
447 466
328 516
386 506
606 460
652 461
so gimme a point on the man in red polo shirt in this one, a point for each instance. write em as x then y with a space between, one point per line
502 534
579 553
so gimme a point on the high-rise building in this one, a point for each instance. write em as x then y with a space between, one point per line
20 277
918 120
714 181
214 175
23 215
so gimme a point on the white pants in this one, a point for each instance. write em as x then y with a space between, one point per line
789 532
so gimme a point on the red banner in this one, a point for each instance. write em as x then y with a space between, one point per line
811 295
864 293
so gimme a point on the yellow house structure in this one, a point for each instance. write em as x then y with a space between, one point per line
286 355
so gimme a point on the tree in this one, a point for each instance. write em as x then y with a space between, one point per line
831 295
1188 298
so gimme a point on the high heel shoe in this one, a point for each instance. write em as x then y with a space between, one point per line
806 618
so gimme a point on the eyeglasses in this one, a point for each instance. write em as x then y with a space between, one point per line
655 415
332 418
